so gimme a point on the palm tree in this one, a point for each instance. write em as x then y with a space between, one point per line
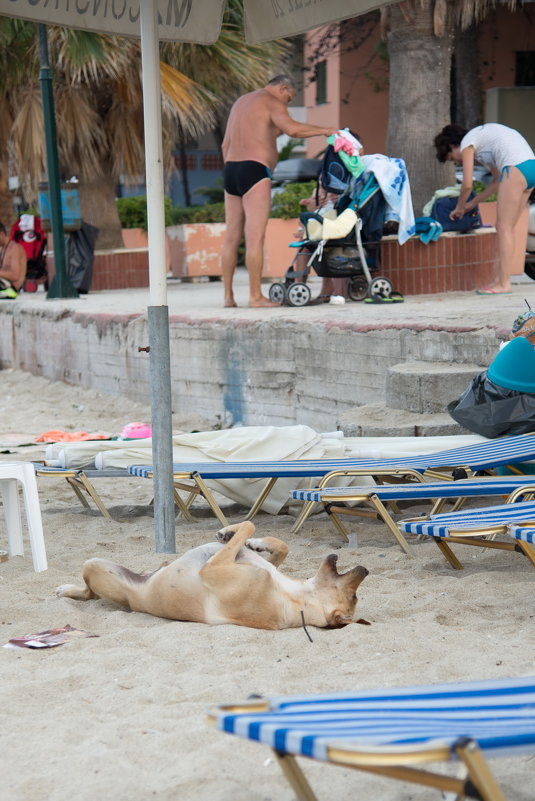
98 98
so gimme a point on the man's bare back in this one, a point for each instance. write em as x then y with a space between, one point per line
251 134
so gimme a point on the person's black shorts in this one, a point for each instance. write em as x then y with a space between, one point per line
240 176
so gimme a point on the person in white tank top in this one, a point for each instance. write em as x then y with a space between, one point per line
511 161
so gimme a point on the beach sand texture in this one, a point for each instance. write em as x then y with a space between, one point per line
123 716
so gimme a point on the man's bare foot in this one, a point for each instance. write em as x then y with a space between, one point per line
230 303
262 303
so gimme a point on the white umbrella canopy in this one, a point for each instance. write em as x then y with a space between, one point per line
187 21
266 20
190 20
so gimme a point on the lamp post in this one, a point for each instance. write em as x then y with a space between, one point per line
61 286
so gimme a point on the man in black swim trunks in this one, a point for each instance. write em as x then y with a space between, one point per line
250 152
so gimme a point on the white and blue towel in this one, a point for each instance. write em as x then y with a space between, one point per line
392 177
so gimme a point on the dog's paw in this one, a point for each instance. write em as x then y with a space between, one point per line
258 544
61 590
226 534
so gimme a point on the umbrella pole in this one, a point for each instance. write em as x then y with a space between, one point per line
158 313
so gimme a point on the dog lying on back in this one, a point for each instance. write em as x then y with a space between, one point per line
235 580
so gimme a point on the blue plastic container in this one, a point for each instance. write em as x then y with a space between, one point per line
514 366
70 207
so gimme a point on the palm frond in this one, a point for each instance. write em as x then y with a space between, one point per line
27 135
7 121
228 67
469 11
184 98
81 138
88 57
123 125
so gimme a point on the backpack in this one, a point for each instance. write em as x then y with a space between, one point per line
442 208
29 233
334 176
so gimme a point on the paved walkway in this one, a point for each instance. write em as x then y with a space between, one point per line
204 301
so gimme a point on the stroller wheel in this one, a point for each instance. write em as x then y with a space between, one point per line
357 287
298 294
276 293
380 286
30 285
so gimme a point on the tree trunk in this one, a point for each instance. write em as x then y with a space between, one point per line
184 174
98 208
419 104
468 94
7 214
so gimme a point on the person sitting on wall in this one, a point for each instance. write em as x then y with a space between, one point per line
12 266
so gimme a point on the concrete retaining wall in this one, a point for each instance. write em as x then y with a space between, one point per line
275 372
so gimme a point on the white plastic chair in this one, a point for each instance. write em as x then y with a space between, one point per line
10 473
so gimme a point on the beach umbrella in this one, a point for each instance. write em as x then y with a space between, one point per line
187 21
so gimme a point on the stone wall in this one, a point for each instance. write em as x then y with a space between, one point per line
247 372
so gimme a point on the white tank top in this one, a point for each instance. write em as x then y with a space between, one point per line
497 146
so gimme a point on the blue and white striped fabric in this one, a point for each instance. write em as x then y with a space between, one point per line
90 472
524 533
484 455
416 491
482 518
498 714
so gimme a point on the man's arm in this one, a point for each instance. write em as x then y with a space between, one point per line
297 130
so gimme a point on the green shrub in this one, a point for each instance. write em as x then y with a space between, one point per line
133 211
214 193
286 205
208 213
479 186
286 152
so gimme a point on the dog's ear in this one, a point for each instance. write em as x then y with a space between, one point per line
328 569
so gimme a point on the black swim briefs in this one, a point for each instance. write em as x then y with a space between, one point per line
240 176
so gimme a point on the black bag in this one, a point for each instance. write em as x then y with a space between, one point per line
492 411
334 176
442 208
79 255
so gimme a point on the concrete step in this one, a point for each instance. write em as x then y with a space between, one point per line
383 421
427 387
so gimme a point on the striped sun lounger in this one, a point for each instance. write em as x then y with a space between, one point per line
81 480
395 732
383 495
506 451
468 527
523 533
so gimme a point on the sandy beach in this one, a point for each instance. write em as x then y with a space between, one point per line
122 715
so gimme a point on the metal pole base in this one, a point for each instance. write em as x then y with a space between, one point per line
162 431
61 288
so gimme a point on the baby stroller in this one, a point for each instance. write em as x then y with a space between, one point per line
341 243
29 233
